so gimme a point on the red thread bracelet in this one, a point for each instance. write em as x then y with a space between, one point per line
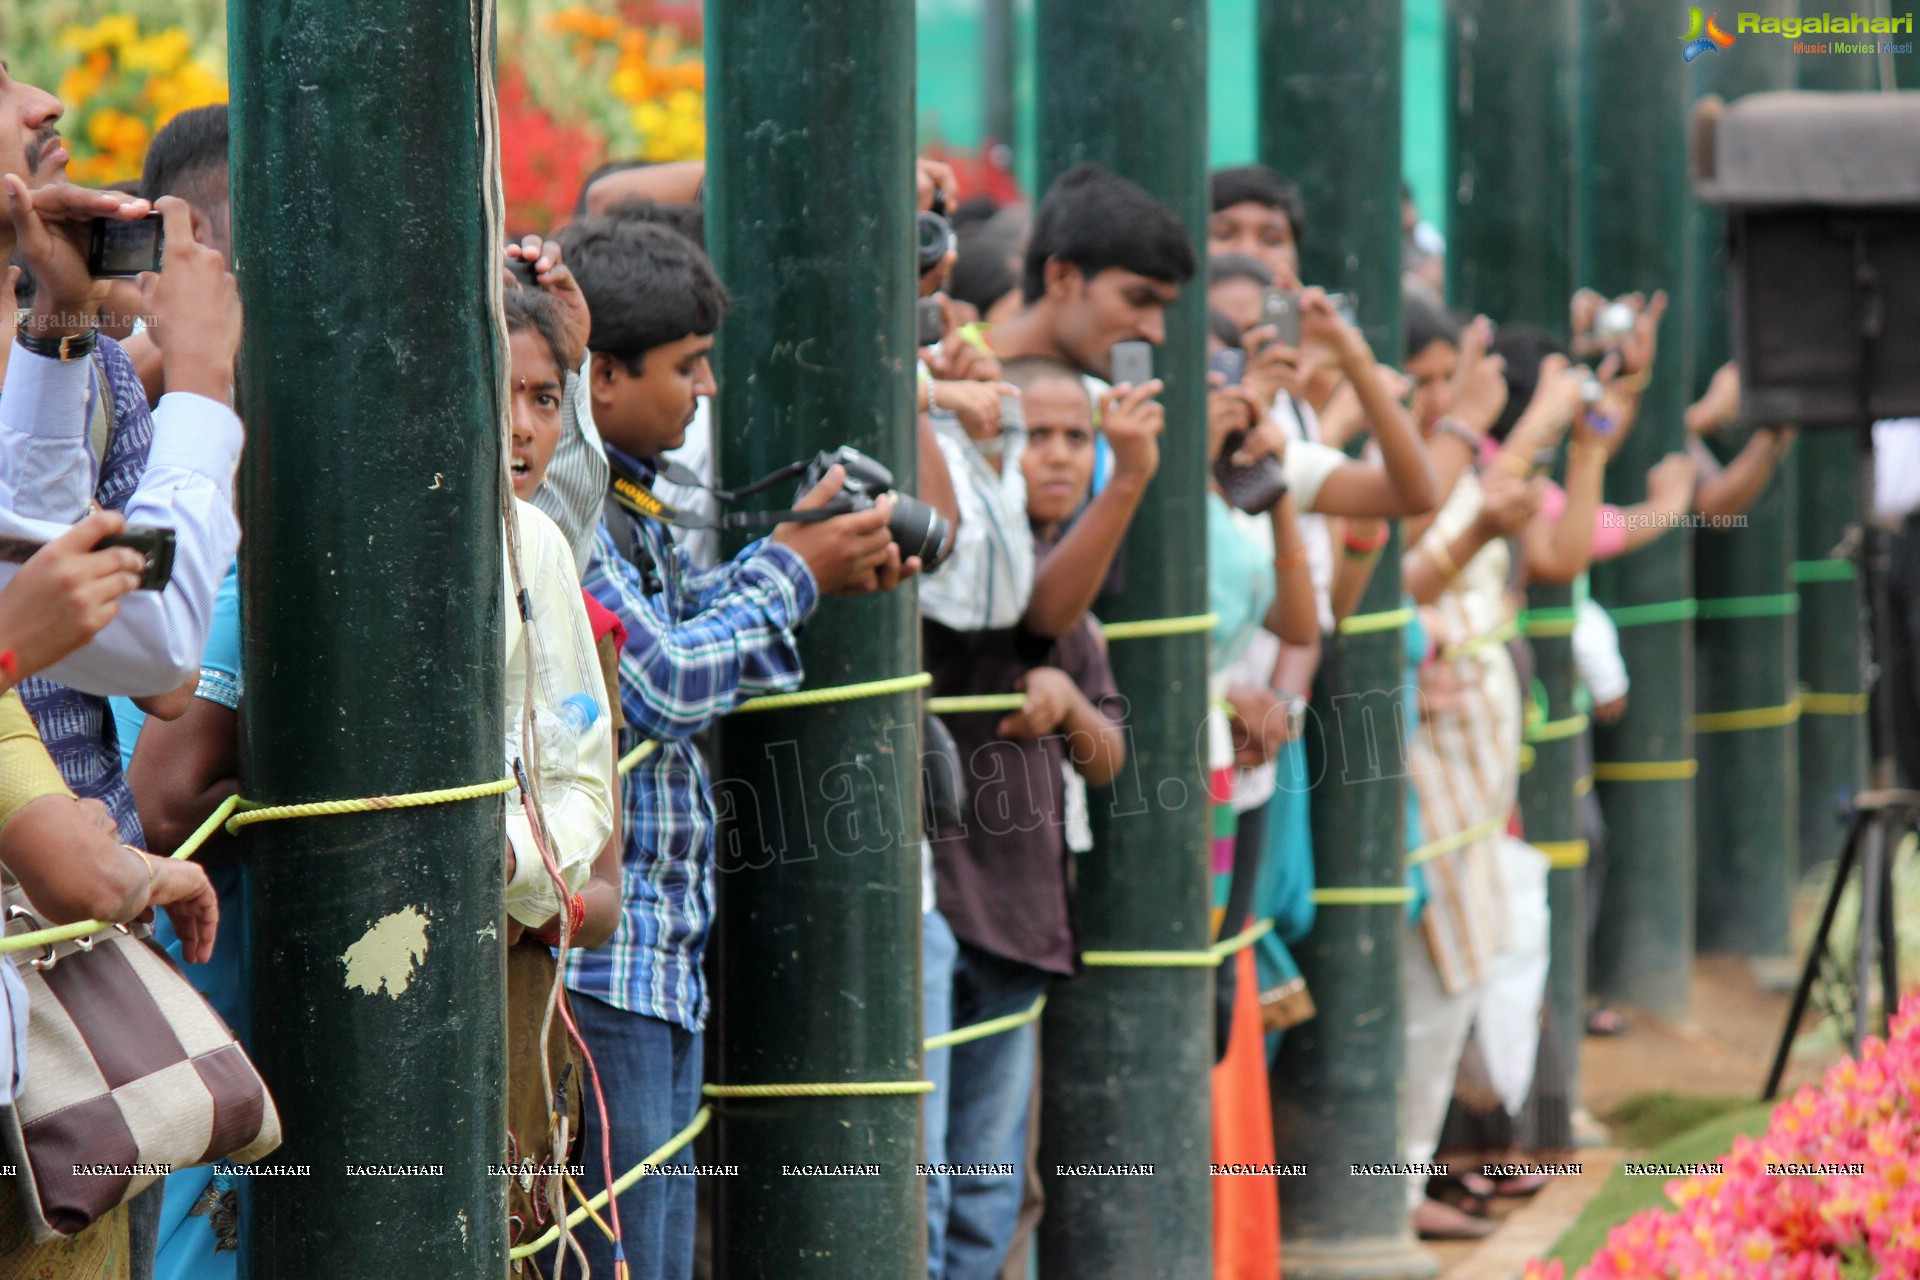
576 916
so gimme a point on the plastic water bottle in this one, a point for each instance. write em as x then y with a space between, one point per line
559 735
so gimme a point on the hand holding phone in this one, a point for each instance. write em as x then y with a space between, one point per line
119 249
1131 364
1280 311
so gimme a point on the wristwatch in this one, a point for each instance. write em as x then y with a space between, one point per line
1296 714
73 346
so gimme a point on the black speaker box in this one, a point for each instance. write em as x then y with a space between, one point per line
1822 193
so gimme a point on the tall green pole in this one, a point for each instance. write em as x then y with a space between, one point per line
1832 630
815 958
1633 224
372 574
1510 95
1745 656
1330 120
1129 1050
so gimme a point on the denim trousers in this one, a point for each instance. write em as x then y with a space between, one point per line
988 1091
650 1076
937 953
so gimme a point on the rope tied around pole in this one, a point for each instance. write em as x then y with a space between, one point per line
234 813
1211 958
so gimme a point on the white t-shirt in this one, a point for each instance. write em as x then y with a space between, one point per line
984 585
695 454
1896 468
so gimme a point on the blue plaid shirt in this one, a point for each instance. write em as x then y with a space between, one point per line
77 727
699 645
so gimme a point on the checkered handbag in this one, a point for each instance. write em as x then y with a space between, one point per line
130 1074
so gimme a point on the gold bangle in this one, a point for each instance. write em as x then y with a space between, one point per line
1442 558
146 862
1513 464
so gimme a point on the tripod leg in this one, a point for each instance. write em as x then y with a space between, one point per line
1873 874
1816 954
1897 831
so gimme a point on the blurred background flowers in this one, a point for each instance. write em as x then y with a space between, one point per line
579 84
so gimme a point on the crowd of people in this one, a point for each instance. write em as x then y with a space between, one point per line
118 725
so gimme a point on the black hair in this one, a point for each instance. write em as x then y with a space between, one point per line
974 211
189 156
1095 220
1238 266
1424 322
528 311
690 220
986 270
646 285
1523 346
1222 326
1258 184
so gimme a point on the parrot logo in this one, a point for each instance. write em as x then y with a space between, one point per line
1703 36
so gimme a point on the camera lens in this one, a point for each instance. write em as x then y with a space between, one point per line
935 240
920 530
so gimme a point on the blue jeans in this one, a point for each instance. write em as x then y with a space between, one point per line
937 949
990 1090
650 1074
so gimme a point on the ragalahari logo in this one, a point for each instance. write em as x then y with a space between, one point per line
1703 35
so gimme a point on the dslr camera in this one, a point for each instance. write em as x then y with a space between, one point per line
915 526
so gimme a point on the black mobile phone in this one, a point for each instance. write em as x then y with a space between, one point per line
930 323
1254 489
155 543
1230 363
1280 311
1132 363
119 249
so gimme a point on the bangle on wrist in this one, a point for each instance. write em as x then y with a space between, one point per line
933 403
1292 560
1452 426
146 862
576 916
1361 547
1513 464
1441 557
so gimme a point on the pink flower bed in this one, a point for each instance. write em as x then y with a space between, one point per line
1781 1209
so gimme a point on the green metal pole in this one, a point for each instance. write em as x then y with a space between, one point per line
815 958
1330 120
1833 721
1633 211
372 573
1129 1050
1510 256
1745 659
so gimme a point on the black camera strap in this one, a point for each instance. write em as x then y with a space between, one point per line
631 492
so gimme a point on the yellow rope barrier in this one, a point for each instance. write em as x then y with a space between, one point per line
1476 644
1363 624
1211 958
1152 628
627 1179
1458 840
1554 730
836 693
1833 704
635 756
1752 718
848 1089
1363 897
963 704
1563 854
251 813
86 928
991 1027
1583 786
1645 771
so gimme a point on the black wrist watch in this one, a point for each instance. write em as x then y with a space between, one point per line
74 346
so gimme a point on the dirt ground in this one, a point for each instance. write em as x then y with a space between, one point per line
1723 1049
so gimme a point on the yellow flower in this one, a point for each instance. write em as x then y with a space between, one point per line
629 82
117 132
585 23
111 31
162 53
79 83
